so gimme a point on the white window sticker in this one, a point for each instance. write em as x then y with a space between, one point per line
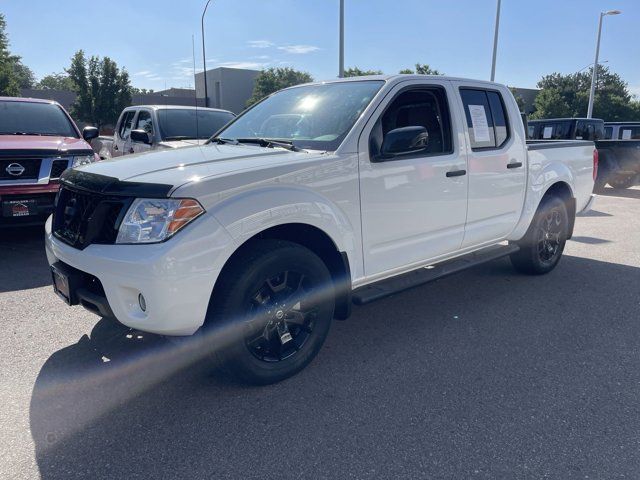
626 134
548 131
479 123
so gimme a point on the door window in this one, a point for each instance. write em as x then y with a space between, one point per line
125 124
144 122
629 133
608 133
487 120
417 108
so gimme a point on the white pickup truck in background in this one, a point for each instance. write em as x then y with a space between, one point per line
320 196
142 128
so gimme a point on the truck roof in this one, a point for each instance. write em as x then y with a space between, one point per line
622 123
398 77
177 107
27 99
565 119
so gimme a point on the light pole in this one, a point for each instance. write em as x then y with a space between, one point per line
594 75
204 58
495 43
341 53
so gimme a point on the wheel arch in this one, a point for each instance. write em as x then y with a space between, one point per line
563 191
320 243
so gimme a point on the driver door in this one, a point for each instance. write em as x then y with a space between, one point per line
413 205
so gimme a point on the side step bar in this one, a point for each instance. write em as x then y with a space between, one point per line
389 286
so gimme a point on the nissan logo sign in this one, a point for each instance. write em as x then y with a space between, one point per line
15 169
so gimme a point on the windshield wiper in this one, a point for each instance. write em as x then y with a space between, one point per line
270 143
220 140
180 137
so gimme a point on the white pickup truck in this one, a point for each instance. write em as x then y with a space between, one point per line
320 196
142 128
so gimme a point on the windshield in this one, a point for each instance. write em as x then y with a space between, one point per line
30 118
178 124
316 117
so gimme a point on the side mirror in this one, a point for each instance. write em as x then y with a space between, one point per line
404 140
140 136
89 133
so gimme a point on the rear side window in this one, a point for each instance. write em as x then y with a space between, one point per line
608 133
487 121
125 124
629 133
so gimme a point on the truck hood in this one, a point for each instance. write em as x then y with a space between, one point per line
180 166
45 144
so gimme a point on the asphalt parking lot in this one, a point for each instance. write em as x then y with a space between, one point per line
486 374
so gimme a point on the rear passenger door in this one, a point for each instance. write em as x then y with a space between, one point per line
496 164
122 138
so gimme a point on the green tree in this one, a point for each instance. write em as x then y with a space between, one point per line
141 91
56 81
9 81
422 69
102 89
568 96
519 100
274 79
356 72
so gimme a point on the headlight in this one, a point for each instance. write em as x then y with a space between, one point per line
151 220
80 160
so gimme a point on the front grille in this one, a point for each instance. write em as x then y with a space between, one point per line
57 167
19 168
81 218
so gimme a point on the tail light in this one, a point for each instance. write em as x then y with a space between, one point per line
595 164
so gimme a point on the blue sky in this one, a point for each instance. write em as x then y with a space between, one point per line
152 39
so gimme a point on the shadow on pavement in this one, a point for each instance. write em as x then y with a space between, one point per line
589 240
23 263
513 377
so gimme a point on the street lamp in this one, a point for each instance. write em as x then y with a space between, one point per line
341 53
204 58
495 43
594 75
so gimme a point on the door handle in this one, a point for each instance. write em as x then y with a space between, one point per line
115 147
514 165
456 173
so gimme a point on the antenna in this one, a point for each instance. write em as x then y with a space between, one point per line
195 92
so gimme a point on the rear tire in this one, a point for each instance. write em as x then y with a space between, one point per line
272 309
542 246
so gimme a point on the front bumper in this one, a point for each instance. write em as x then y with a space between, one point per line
176 277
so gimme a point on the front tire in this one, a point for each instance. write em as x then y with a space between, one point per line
542 246
275 305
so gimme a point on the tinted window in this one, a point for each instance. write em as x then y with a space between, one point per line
486 118
125 124
34 119
316 116
499 118
183 124
553 130
144 122
608 133
417 108
629 133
